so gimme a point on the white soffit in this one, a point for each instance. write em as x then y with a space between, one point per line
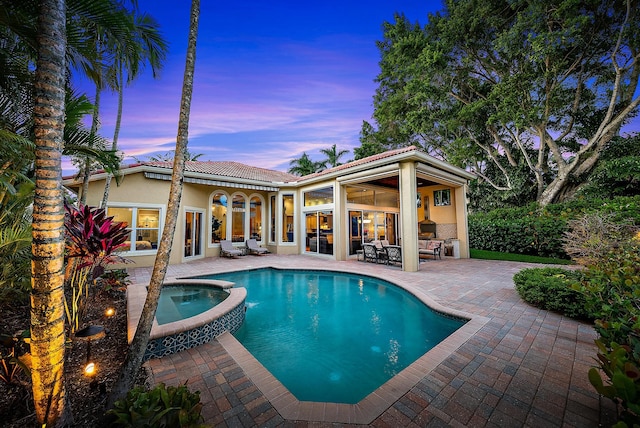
438 174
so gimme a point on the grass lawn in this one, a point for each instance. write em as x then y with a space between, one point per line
496 255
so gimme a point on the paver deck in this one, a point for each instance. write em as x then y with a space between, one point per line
523 367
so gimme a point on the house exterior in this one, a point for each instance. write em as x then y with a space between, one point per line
400 196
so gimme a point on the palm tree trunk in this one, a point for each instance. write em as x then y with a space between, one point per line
133 361
47 296
86 168
116 133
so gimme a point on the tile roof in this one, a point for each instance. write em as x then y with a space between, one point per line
362 161
239 170
231 169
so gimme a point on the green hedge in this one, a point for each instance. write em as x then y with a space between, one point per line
532 230
551 289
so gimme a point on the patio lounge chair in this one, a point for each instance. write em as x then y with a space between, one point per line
253 248
228 250
394 254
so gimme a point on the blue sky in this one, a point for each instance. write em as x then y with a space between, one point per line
272 80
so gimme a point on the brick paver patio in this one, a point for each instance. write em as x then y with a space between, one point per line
523 367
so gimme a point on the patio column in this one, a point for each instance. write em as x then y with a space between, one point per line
461 218
340 222
409 216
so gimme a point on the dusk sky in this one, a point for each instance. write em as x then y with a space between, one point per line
272 79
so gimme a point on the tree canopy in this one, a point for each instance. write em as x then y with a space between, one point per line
304 165
523 93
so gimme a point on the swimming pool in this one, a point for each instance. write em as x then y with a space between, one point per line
178 302
331 336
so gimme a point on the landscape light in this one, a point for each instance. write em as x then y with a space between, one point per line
90 369
109 312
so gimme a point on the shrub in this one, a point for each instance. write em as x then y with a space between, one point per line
612 291
161 406
532 230
592 235
91 241
551 289
115 279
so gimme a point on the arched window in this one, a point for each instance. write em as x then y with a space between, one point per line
238 215
255 218
218 217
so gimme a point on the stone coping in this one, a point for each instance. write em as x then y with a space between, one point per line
136 295
373 405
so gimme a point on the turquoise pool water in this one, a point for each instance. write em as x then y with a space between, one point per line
334 337
178 302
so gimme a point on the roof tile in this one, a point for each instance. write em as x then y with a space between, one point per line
231 169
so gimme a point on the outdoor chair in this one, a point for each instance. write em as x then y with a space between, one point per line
382 254
253 248
430 248
394 254
372 254
228 250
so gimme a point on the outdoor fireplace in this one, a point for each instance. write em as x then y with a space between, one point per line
426 229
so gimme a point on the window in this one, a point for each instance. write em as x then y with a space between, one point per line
143 224
193 233
272 210
319 197
255 218
218 217
442 197
237 221
287 218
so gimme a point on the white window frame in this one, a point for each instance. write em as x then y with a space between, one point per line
195 210
262 215
210 213
134 219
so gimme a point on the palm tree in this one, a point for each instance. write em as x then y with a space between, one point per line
304 165
169 156
47 297
18 55
333 156
133 361
150 47
121 43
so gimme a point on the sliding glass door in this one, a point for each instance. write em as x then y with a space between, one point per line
319 232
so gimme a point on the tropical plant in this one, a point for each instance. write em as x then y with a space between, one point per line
333 156
537 85
92 241
12 361
15 244
115 279
169 156
304 165
137 348
612 290
18 31
162 406
118 48
147 47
